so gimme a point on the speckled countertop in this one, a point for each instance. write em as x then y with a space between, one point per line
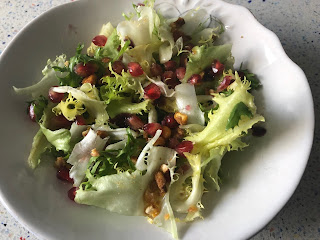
297 24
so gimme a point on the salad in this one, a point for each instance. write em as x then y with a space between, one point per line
139 123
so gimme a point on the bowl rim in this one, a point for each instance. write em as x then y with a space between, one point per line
276 41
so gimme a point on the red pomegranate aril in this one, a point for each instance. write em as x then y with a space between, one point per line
227 80
63 174
59 121
134 122
156 70
152 91
135 69
55 97
72 193
170 78
170 65
169 121
80 120
195 79
121 119
31 112
100 40
180 72
151 128
184 146
173 143
118 67
85 70
217 68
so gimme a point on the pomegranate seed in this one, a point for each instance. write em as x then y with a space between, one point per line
184 146
151 128
195 79
72 193
80 120
31 112
227 80
170 79
59 121
100 40
169 121
135 69
170 65
118 67
121 119
141 4
217 68
54 96
63 174
156 70
152 91
180 72
173 142
134 122
85 70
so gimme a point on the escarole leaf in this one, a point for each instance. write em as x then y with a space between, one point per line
39 145
81 155
60 139
201 57
96 108
215 134
113 192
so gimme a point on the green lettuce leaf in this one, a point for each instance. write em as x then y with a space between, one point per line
120 86
95 108
113 192
215 134
203 56
126 106
60 139
39 145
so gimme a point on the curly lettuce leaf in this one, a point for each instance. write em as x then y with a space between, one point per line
120 86
123 192
126 106
70 108
215 134
96 108
202 57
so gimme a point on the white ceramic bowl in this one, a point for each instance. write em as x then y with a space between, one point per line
261 179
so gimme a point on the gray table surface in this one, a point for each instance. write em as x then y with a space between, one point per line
297 24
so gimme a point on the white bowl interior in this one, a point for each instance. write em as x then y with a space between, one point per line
259 180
